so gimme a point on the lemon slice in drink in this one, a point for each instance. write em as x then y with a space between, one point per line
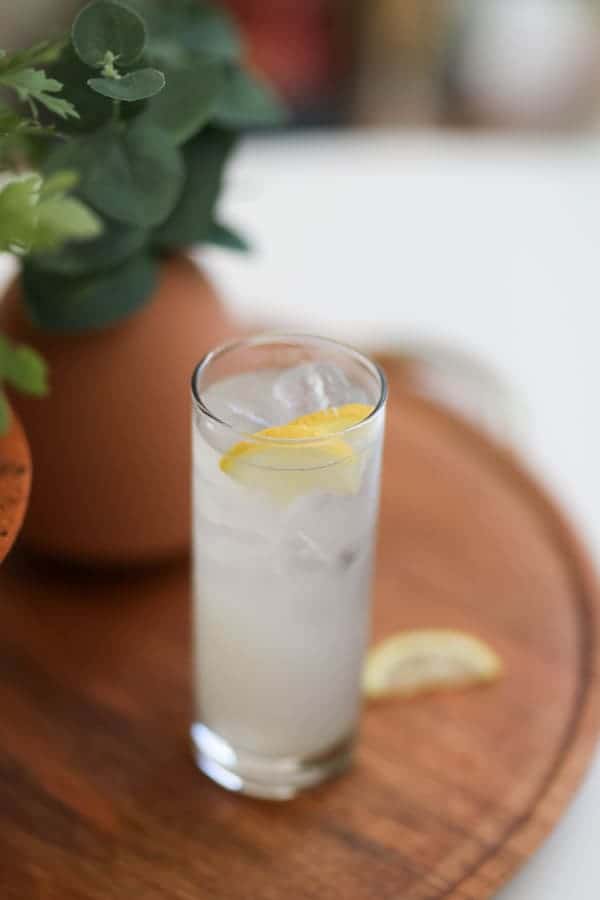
333 419
417 662
310 461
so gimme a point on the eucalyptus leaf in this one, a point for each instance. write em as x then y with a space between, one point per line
133 174
205 159
75 305
104 27
223 236
247 101
79 155
94 110
111 248
178 31
188 100
138 85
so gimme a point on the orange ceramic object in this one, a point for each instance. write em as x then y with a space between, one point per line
111 444
15 483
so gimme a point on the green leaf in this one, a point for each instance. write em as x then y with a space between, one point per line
22 368
205 159
17 73
223 236
18 202
94 110
136 85
111 248
247 101
188 100
4 413
38 55
34 216
10 122
30 81
75 305
60 218
14 125
59 183
26 143
106 27
35 86
181 31
141 178
133 175
58 105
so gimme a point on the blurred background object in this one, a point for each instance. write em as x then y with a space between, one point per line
306 49
531 64
463 383
400 47
524 64
27 21
516 64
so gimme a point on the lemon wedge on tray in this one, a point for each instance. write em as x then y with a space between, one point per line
310 461
417 662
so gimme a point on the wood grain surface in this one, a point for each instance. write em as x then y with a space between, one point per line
15 483
99 798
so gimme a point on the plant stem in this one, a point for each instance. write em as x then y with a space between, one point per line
116 110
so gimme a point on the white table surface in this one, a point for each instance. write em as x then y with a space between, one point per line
489 245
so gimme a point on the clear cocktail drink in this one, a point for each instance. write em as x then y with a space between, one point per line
287 439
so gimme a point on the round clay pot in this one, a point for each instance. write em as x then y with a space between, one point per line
111 443
15 483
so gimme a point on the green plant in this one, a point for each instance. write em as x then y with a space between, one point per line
20 72
161 92
35 213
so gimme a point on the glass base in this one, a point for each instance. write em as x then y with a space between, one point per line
271 778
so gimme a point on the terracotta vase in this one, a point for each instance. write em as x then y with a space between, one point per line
15 483
111 444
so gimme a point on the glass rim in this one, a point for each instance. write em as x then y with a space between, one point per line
266 338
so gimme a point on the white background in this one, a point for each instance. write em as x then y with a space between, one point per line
487 245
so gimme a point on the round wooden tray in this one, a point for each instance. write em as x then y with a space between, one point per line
450 793
15 483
